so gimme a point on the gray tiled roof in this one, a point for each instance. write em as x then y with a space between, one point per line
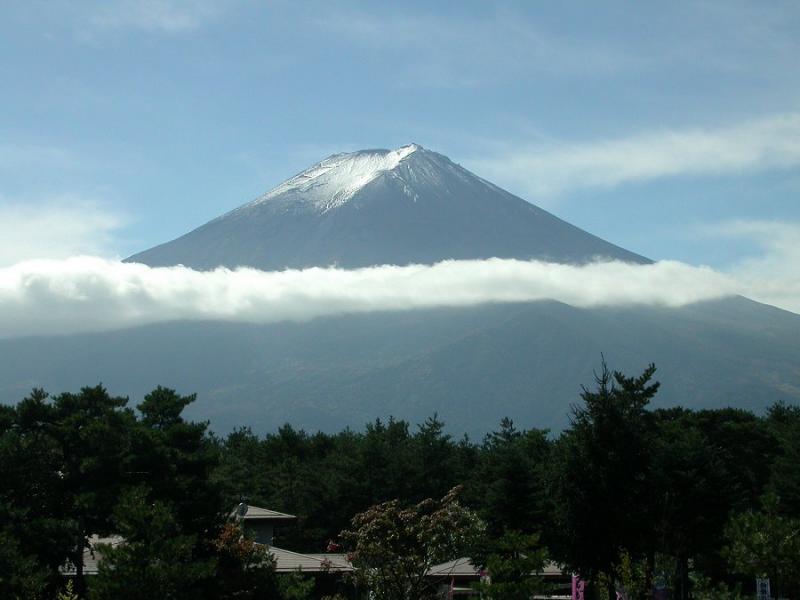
91 555
256 512
287 561
460 567
463 567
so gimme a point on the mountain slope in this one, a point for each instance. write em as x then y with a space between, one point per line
402 206
472 365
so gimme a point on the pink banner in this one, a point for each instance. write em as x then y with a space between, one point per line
578 587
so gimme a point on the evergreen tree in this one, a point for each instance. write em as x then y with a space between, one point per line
510 479
175 459
436 464
600 479
92 431
36 534
155 558
689 496
784 423
514 562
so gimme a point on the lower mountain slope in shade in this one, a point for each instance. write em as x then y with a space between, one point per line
472 366
373 207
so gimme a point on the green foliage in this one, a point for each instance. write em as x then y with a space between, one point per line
61 462
632 575
600 474
766 544
514 563
745 448
394 547
690 494
295 586
295 472
67 592
626 495
703 588
634 487
510 479
244 570
784 423
156 558
70 463
175 459
20 576
162 409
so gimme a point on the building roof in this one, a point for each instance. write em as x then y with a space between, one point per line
460 567
287 561
92 555
463 567
553 569
256 512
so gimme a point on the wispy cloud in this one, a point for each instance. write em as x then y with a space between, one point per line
89 294
159 16
22 156
773 275
457 50
547 169
91 19
55 228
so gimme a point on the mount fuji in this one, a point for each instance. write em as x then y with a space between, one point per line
471 365
374 207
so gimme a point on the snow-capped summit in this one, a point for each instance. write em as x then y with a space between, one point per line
408 205
336 179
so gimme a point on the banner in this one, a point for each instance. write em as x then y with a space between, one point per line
578 588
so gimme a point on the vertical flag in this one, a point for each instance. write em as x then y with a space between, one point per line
578 587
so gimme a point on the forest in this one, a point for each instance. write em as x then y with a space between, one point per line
632 498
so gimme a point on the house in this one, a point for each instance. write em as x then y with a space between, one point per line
328 570
456 579
260 522
92 555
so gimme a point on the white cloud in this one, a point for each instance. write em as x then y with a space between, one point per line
90 294
154 16
58 228
773 276
549 169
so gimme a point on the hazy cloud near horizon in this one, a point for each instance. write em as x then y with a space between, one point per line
82 294
56 227
771 275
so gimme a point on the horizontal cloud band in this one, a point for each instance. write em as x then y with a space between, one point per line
92 294
540 171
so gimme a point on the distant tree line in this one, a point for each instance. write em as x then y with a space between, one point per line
631 498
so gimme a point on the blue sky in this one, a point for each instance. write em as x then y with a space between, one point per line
672 129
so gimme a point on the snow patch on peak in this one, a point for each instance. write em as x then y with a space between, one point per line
409 148
335 180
